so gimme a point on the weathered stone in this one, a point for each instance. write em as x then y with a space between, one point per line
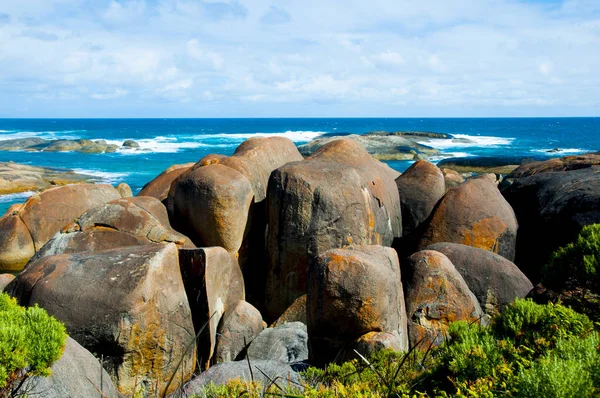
474 214
286 343
124 190
495 281
16 178
420 188
214 283
484 164
567 163
210 204
5 279
381 145
122 222
552 208
159 187
76 374
16 243
239 325
436 295
296 312
352 292
264 372
130 144
128 305
338 196
47 213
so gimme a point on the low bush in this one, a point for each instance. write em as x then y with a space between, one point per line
577 262
529 350
30 341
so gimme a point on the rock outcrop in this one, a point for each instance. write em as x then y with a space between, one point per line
475 214
352 292
286 343
436 295
340 195
495 281
552 208
16 178
76 374
239 326
119 223
381 145
61 145
25 231
127 305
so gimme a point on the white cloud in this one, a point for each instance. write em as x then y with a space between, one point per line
116 93
291 58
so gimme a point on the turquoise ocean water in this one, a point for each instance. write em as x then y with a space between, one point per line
170 141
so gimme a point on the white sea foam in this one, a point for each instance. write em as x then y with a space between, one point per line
296 136
468 141
47 135
560 150
104 176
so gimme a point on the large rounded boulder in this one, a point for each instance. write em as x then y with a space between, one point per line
25 230
474 214
352 292
495 281
436 295
127 305
239 326
552 207
420 188
338 196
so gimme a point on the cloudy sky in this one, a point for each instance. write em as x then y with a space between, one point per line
277 58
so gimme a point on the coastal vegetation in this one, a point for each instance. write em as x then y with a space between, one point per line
30 341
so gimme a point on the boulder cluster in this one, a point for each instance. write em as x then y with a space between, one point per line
253 264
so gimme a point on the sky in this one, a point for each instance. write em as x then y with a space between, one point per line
299 58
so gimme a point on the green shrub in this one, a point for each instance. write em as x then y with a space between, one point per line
530 350
578 261
30 341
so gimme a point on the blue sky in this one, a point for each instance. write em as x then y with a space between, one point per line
292 58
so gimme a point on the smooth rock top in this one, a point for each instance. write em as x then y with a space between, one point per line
475 214
566 163
286 343
159 186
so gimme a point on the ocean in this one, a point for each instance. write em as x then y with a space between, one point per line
172 141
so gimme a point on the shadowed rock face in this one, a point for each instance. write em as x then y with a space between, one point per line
338 196
27 229
122 222
214 283
474 214
296 312
128 305
436 295
352 292
420 188
552 208
495 281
